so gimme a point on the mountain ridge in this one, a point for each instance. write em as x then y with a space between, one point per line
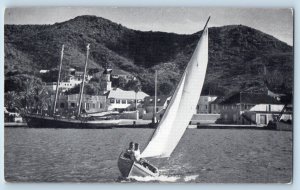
237 53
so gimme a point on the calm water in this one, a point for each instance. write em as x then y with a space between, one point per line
203 155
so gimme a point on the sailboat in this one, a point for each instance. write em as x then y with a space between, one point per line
176 118
56 121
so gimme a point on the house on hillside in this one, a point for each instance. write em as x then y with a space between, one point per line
119 100
43 71
74 78
116 73
249 108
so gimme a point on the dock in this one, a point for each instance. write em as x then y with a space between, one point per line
14 124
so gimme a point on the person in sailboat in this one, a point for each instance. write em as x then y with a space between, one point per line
133 152
137 152
130 150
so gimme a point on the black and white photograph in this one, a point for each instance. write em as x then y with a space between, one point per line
148 94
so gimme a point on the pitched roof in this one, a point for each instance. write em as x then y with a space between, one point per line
123 94
107 71
250 98
119 72
149 101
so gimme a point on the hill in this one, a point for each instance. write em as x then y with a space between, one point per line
237 53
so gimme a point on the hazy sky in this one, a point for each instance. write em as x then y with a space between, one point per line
183 20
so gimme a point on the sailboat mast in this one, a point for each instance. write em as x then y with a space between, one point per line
58 79
83 79
155 98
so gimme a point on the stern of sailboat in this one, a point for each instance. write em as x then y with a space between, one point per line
129 168
125 164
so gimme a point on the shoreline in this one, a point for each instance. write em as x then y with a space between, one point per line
147 124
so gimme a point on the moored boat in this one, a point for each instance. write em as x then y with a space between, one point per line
39 121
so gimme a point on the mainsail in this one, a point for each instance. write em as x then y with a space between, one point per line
183 104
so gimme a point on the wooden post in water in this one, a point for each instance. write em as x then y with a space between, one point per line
83 79
58 80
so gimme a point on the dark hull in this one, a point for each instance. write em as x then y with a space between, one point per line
130 168
37 121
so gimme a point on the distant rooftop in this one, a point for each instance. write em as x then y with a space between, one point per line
149 101
118 93
249 98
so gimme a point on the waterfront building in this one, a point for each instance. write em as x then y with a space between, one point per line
161 103
67 104
250 108
204 104
118 99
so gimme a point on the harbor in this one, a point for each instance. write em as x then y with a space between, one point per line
89 99
77 155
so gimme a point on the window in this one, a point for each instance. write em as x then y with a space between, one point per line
117 101
87 106
225 116
101 105
94 106
263 119
73 105
123 101
62 105
112 100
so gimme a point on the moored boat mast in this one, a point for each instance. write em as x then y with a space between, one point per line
83 79
58 80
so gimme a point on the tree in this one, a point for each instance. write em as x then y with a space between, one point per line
132 85
165 88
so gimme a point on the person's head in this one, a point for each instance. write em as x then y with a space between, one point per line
131 144
136 146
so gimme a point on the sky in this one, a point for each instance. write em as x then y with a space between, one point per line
181 20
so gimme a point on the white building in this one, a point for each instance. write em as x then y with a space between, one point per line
71 82
119 99
105 83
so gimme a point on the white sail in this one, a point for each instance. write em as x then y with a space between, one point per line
182 106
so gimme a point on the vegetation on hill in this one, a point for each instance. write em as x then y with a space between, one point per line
237 54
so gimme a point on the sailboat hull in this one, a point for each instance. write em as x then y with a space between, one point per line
36 121
129 168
